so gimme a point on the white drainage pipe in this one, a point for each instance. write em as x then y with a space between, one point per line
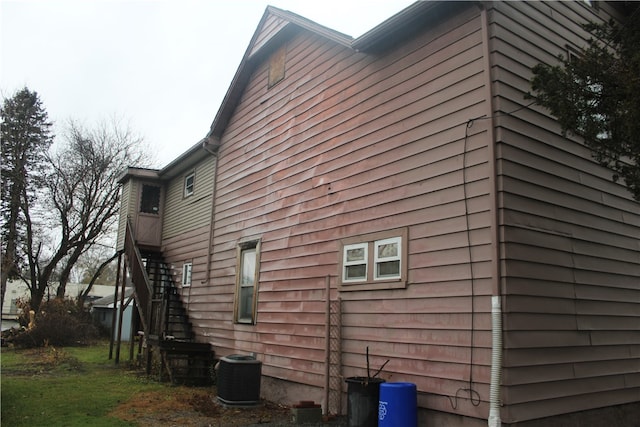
496 362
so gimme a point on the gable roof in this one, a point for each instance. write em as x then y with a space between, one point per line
277 25
306 24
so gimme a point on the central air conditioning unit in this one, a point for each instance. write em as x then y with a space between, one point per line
238 380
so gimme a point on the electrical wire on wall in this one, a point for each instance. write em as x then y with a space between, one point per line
474 396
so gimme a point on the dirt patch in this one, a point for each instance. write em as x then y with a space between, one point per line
181 406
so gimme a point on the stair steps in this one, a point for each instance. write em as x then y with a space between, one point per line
186 361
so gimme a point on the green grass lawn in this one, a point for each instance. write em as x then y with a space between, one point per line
72 386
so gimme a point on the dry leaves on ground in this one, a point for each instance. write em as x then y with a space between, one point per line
189 407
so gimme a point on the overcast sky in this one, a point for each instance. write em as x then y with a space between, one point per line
162 66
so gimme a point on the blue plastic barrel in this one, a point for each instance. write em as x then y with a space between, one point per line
398 405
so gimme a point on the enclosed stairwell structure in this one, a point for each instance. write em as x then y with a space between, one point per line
167 344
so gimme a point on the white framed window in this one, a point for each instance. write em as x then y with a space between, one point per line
248 267
374 261
355 262
186 273
387 258
189 184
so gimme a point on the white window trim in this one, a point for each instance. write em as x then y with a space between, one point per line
188 190
242 247
346 263
372 242
187 271
377 259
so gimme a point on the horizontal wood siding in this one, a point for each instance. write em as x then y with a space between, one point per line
191 246
347 144
569 237
182 214
186 229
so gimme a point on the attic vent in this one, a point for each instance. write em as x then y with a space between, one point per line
276 66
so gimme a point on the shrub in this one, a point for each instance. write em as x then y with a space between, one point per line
60 322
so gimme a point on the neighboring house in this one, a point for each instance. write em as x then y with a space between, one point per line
396 193
103 311
19 290
16 290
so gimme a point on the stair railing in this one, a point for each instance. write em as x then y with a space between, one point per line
168 290
141 283
159 302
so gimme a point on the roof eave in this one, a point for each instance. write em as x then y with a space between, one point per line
142 173
185 161
402 19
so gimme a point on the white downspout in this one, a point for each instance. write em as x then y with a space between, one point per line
494 419
496 362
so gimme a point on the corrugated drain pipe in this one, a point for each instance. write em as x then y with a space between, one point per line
496 362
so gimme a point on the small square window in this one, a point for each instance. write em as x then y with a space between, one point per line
186 273
189 184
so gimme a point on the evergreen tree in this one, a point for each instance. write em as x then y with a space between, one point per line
595 94
26 137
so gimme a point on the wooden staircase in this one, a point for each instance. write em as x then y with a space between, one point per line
168 333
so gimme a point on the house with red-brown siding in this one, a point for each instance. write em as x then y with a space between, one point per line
396 194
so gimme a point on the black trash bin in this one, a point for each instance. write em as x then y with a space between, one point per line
363 395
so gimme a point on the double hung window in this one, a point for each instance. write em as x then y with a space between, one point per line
189 184
387 258
355 262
